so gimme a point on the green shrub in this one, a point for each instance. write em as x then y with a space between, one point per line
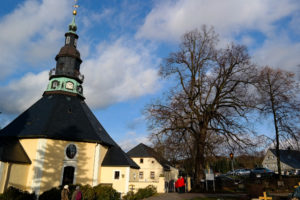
88 192
106 193
16 194
141 193
129 196
53 193
146 192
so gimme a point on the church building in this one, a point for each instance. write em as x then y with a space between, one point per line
58 140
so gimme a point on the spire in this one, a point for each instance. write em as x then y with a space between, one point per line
72 25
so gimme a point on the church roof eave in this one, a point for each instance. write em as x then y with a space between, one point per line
12 151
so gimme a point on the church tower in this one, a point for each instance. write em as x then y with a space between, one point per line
65 78
58 140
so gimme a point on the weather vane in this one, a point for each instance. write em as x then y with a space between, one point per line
75 7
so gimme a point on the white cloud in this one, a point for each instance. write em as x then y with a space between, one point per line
294 24
18 95
128 144
91 18
279 52
117 72
31 33
247 40
170 19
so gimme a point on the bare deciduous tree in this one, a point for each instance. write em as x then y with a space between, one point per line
211 98
278 98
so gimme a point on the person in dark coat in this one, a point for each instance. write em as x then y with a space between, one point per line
296 194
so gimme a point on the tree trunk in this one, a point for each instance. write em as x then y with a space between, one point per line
277 138
199 157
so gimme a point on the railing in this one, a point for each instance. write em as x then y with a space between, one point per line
80 76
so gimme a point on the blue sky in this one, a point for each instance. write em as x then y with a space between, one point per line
122 43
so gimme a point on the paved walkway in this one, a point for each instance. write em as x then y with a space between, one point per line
176 196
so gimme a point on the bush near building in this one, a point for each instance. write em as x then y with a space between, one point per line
98 192
16 194
141 193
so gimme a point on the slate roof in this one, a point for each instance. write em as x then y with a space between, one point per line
289 157
63 117
12 151
58 117
143 150
112 160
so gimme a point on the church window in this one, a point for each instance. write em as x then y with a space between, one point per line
75 42
141 160
71 151
117 175
134 176
68 40
141 175
54 85
152 175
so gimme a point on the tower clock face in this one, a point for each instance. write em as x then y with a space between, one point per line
69 85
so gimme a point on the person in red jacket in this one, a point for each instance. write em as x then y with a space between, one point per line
176 186
180 185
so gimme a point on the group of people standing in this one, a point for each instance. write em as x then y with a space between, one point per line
180 185
77 194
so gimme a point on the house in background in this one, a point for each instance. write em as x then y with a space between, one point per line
58 140
289 160
154 169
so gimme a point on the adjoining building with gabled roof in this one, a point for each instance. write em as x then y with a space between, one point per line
153 168
58 140
289 160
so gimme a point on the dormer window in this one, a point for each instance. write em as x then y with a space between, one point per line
68 39
141 160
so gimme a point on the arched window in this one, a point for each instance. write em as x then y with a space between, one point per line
55 84
68 40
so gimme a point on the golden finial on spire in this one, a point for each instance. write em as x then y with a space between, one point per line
75 7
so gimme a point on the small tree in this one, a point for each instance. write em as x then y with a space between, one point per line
278 99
